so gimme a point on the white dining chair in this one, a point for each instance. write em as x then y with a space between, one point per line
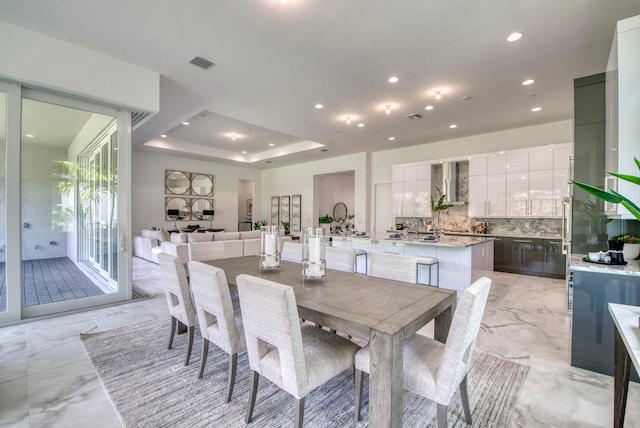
297 359
342 259
291 252
178 295
435 370
393 266
219 324
201 251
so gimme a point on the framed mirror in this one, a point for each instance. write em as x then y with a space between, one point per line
181 205
176 182
340 212
201 184
201 209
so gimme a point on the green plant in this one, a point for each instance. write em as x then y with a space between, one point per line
286 225
628 239
325 219
613 196
258 224
440 204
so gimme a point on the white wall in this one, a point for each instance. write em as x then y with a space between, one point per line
36 59
148 193
298 180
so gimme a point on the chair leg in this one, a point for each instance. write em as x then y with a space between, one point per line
299 412
442 416
174 323
358 377
189 345
203 357
233 362
464 395
253 387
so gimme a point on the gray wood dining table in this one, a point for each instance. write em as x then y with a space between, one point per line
383 312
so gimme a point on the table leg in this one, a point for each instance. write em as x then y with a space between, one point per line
443 323
385 379
621 380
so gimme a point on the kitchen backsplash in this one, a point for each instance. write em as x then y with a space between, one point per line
455 220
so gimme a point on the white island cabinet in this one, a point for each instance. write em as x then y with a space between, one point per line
463 259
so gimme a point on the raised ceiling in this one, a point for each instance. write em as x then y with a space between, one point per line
274 62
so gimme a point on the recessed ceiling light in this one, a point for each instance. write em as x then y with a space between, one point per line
438 94
28 135
318 106
387 109
185 123
514 37
361 125
393 79
453 125
528 82
536 109
233 137
392 138
348 121
163 135
428 108
271 144
244 152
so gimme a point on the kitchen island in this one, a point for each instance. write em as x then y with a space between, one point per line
463 259
594 287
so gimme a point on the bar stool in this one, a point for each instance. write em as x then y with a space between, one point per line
430 262
359 253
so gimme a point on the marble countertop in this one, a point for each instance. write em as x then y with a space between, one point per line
493 235
444 241
626 320
631 268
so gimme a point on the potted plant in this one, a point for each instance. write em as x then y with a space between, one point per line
325 221
614 197
438 206
631 248
287 227
258 224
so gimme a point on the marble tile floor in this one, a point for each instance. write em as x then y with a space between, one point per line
47 380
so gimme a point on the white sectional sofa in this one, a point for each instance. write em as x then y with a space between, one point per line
201 246
144 244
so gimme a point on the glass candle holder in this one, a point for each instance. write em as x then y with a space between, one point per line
313 249
269 247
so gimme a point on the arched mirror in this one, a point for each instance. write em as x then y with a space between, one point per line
202 185
177 183
177 209
202 209
339 212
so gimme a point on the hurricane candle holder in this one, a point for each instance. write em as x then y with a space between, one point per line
313 249
269 247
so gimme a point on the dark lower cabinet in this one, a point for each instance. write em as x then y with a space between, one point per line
529 256
592 333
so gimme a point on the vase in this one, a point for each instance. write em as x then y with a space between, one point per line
630 251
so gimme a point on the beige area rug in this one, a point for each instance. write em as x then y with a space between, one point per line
150 387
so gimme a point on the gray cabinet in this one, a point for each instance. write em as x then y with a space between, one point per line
529 256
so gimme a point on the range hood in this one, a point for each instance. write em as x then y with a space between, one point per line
449 184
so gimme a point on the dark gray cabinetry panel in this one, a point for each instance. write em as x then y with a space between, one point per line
592 327
529 256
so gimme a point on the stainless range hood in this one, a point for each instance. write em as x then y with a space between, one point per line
449 182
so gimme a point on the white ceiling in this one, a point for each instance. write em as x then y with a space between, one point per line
275 61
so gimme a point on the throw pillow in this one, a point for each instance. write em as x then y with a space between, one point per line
179 238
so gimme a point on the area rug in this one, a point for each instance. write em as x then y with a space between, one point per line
150 387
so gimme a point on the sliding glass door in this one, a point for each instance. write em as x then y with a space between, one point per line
59 203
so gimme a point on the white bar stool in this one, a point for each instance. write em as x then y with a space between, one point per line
429 262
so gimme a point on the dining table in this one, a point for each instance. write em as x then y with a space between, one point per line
383 312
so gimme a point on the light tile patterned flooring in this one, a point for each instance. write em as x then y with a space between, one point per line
47 380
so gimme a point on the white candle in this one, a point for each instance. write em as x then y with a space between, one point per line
270 249
314 254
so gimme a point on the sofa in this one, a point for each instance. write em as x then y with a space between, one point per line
143 245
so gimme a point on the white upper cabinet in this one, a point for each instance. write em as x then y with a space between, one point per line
623 112
411 190
518 162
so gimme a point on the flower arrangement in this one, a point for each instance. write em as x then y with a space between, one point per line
325 219
629 239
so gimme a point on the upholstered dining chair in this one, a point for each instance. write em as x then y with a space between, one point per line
291 252
393 266
435 370
297 359
179 299
219 324
342 259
